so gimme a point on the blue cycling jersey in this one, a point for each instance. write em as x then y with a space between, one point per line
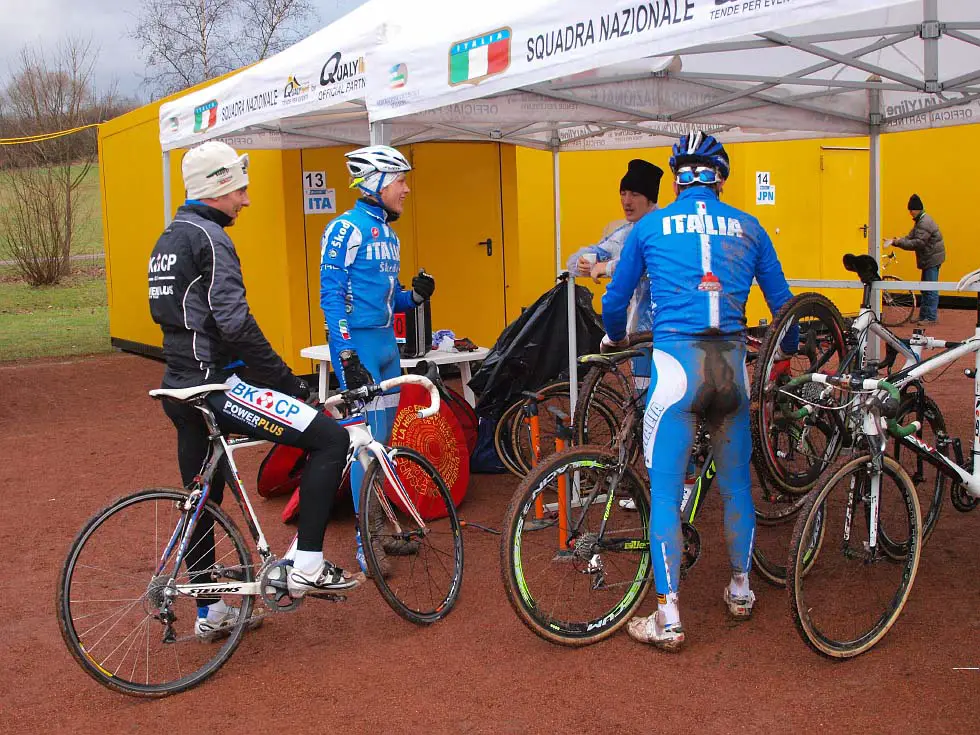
359 262
702 256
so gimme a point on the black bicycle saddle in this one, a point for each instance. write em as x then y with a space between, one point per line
865 266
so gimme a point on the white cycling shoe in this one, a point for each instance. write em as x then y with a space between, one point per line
327 578
653 631
739 607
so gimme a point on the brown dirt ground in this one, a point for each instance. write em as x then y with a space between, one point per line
77 433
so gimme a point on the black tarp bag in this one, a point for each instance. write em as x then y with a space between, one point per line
533 349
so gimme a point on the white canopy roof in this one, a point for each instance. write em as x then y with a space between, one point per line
588 73
601 74
316 85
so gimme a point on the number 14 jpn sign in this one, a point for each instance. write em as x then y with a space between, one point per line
317 198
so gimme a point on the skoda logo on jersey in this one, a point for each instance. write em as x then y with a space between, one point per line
266 402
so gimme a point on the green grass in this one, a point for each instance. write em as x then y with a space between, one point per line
88 221
56 321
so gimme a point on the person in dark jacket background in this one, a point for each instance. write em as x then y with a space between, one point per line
930 253
197 296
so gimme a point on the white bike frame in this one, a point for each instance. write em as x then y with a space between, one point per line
363 446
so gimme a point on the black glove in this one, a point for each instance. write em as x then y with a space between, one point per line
355 374
296 387
423 286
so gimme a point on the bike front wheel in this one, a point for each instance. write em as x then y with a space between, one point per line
575 564
897 307
847 590
118 610
422 571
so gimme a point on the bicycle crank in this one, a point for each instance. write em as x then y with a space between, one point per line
275 591
692 548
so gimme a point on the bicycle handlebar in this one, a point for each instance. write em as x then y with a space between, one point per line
368 392
849 383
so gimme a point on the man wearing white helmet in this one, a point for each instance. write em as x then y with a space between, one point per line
360 260
197 296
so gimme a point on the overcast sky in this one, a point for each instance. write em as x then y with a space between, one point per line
28 22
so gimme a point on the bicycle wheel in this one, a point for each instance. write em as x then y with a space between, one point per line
599 407
426 559
109 598
845 596
775 514
930 483
582 591
503 438
553 395
794 453
897 307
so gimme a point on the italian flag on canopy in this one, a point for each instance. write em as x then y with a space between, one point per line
479 57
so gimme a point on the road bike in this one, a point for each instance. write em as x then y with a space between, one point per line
128 590
858 539
575 548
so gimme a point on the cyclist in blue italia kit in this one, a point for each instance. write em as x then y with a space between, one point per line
359 293
701 256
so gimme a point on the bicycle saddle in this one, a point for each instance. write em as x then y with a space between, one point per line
969 280
611 358
865 266
187 394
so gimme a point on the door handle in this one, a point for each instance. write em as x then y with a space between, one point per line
864 230
488 243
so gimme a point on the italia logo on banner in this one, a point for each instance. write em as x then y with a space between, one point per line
205 116
475 59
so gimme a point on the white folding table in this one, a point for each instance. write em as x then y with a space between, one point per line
321 353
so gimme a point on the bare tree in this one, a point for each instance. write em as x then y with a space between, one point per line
38 209
186 42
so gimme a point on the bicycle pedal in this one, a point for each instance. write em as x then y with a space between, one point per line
329 596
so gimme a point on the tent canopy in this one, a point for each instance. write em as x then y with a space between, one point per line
308 95
592 74
566 74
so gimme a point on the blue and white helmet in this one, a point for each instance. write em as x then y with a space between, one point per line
698 149
374 167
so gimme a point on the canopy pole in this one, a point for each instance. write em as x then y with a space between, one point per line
380 133
570 283
930 33
167 203
874 199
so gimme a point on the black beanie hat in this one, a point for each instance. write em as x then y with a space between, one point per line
915 203
643 178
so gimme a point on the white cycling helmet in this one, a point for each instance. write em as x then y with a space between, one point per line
374 167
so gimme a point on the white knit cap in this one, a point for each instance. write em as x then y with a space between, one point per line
213 169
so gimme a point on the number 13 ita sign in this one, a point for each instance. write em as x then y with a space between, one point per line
317 198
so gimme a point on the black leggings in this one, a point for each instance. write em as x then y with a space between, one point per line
323 436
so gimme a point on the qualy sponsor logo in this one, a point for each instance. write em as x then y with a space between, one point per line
205 116
474 59
295 91
398 76
340 76
174 123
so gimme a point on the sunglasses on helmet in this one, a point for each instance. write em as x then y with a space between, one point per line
696 175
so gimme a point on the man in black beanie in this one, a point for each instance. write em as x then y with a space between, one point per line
930 253
639 190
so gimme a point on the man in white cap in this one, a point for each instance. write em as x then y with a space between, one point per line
197 296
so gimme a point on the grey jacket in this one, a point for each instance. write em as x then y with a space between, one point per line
197 296
927 242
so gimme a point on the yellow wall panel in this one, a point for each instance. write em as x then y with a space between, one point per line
920 163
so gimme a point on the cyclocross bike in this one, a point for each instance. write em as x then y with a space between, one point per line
127 597
575 561
857 541
796 441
